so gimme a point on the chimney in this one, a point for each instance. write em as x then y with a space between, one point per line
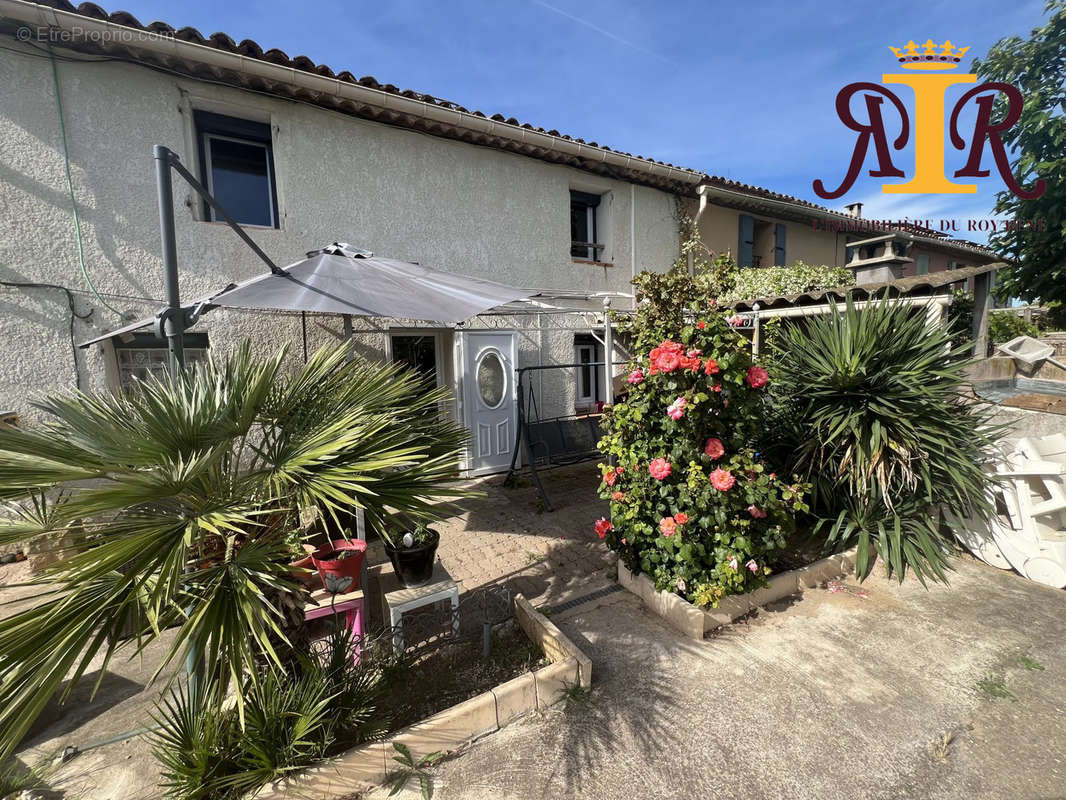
853 210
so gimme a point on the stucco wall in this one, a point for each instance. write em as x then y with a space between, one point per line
720 231
459 207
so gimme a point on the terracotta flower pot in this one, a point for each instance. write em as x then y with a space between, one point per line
328 561
301 569
414 565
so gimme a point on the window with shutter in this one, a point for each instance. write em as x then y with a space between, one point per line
780 231
746 244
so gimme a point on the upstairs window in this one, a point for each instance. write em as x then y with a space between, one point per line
922 262
585 238
237 167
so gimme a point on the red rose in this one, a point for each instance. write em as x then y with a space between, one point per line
714 448
757 377
711 367
680 517
603 527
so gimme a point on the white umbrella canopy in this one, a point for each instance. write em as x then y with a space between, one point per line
340 279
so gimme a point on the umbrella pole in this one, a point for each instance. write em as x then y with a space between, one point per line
172 318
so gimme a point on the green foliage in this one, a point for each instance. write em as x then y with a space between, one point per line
16 778
751 284
293 717
869 404
1006 325
680 529
412 768
178 498
1035 66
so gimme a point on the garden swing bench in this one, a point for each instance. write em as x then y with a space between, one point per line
554 441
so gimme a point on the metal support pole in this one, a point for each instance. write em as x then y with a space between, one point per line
173 321
756 335
608 358
348 332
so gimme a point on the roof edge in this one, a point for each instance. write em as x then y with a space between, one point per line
171 47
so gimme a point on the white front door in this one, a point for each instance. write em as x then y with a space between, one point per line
488 360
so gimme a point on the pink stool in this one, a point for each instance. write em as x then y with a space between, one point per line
323 604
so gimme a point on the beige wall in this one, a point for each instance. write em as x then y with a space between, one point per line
720 229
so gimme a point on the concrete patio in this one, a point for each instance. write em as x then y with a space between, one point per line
830 695
954 692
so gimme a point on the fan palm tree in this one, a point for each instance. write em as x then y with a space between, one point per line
173 503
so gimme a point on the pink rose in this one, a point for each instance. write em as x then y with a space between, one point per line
714 448
756 513
636 376
733 563
668 526
757 377
736 320
722 480
752 565
659 468
676 409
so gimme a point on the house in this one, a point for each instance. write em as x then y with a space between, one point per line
303 156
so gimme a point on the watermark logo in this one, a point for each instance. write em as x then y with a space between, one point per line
76 33
929 78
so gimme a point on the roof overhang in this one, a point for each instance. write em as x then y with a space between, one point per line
247 67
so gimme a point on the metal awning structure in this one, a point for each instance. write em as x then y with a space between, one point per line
340 279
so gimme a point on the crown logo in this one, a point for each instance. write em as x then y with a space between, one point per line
930 56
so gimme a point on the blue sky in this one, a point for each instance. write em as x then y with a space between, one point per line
741 89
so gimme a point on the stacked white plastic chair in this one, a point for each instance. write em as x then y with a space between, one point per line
1029 532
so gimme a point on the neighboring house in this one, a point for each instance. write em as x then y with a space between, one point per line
304 157
761 228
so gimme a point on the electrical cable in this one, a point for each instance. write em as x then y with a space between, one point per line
73 314
70 189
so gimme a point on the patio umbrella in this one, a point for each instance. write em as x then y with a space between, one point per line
340 279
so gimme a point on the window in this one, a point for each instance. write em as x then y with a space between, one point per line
585 241
418 352
237 167
760 242
588 353
923 264
143 354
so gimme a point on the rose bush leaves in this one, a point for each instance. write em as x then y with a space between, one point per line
693 505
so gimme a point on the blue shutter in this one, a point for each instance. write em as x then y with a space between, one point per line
780 229
746 245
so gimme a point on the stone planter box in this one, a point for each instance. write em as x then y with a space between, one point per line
367 765
695 622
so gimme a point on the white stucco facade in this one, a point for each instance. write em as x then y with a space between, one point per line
459 207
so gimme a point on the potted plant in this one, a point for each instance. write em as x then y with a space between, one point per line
413 556
341 558
300 552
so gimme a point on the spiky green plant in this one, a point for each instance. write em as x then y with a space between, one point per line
175 501
871 403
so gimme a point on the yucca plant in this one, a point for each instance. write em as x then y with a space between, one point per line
174 503
870 404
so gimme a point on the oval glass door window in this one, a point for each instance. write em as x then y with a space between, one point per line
491 379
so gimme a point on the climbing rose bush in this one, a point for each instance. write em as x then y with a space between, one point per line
693 506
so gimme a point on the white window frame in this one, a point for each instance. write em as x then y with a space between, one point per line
585 399
207 136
